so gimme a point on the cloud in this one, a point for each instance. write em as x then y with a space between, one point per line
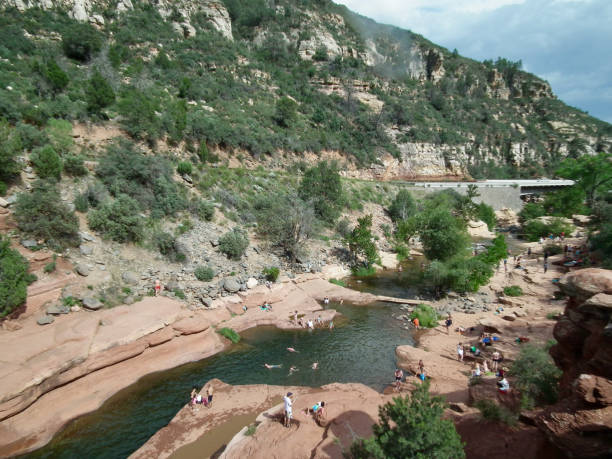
566 42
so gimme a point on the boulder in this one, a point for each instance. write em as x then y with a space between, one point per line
510 302
594 389
82 269
92 303
479 229
75 308
492 324
585 283
251 282
86 249
191 325
206 301
29 243
4 203
581 220
231 285
45 320
128 300
57 309
600 300
130 277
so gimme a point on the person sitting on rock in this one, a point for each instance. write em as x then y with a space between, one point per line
318 411
476 371
503 385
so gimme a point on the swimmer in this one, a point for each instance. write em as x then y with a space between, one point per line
290 349
293 369
269 367
315 366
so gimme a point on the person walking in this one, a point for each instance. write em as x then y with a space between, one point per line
545 266
460 352
448 323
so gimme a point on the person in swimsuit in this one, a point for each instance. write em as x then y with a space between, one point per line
209 393
448 323
288 408
460 352
416 322
315 366
331 325
269 367
157 287
399 374
495 357
192 397
293 369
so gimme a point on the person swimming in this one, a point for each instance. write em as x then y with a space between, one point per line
315 366
290 349
293 369
269 367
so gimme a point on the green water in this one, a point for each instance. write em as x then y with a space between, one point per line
361 348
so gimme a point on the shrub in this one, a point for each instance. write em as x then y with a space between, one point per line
363 271
513 290
56 77
179 293
536 375
50 267
10 148
184 167
251 430
234 243
271 273
486 213
322 185
14 278
99 93
337 282
491 411
43 215
535 229
80 41
286 112
119 220
230 334
73 165
531 210
443 236
47 163
204 210
204 273
411 427
166 244
428 317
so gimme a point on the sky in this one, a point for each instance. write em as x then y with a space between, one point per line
566 42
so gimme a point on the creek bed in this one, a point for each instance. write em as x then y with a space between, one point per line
361 348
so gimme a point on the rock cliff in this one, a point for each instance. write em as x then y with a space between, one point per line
581 423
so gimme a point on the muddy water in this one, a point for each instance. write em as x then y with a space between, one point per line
361 348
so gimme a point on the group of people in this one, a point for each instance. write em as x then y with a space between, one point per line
312 324
317 410
196 397
399 375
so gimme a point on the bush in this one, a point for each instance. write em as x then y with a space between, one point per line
428 317
337 282
271 273
119 220
74 165
80 41
50 267
184 167
443 236
234 243
491 411
43 215
533 230
179 293
166 244
10 148
553 249
47 163
411 427
204 273
286 112
513 290
204 210
56 77
363 271
230 334
486 213
530 211
536 375
14 278
99 93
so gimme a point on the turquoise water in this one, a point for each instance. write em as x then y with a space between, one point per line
361 348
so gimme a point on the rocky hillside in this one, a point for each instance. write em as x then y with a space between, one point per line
264 78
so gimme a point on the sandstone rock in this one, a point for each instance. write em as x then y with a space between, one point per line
11 325
231 285
459 407
601 300
86 249
519 313
45 320
75 308
509 318
594 389
92 303
3 203
206 301
130 277
581 220
510 302
251 282
495 325
191 325
585 283
479 229
128 300
87 237
82 269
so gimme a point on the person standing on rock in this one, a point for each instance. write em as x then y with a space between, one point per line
460 352
288 408
399 374
545 266
209 393
496 358
448 323
157 287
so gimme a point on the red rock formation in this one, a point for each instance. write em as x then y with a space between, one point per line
581 423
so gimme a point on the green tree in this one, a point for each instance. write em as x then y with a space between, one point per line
10 147
403 206
286 221
99 93
47 163
486 213
565 202
286 112
57 78
14 278
322 185
43 215
412 427
591 173
81 41
443 236
537 377
361 242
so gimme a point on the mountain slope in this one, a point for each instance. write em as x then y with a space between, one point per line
262 77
